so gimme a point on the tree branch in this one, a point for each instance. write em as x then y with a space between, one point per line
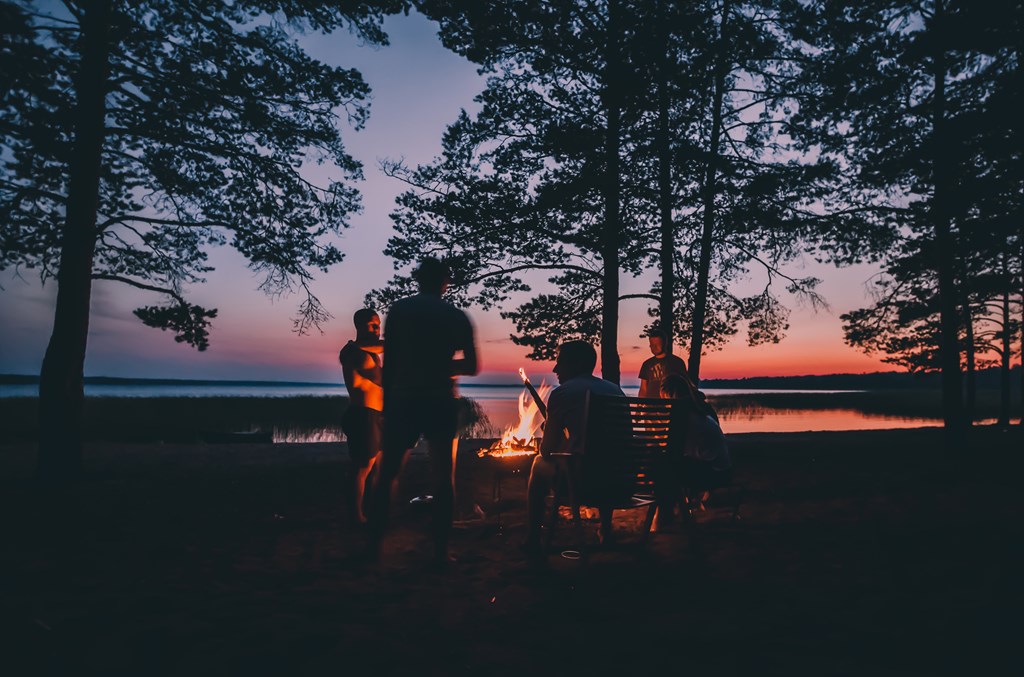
141 285
533 266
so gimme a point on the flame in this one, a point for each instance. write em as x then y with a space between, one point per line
521 439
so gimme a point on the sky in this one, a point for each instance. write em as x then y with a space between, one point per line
418 89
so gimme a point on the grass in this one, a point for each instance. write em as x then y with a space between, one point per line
188 419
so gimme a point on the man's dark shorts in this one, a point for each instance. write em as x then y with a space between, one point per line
408 417
363 428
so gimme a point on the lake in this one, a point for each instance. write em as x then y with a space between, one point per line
741 411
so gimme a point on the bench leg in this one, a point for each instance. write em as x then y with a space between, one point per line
552 522
648 521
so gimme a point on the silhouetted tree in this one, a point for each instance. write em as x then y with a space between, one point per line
537 166
139 133
753 173
538 179
937 141
899 79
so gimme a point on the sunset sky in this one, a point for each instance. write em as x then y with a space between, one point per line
418 88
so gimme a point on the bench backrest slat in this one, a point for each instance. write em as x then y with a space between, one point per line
626 438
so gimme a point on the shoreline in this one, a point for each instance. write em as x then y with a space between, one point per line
16 458
314 418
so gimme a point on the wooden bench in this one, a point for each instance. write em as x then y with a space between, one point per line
625 440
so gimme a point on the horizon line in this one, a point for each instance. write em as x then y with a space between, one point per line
168 380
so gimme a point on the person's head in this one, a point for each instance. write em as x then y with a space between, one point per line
367 323
659 343
575 358
679 387
433 275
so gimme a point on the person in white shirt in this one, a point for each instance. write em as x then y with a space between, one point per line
563 432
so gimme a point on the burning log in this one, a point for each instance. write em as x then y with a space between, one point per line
521 439
515 447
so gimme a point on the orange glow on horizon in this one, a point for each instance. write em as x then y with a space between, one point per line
732 362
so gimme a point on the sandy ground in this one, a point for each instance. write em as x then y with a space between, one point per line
868 553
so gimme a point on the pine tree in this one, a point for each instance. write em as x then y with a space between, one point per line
138 134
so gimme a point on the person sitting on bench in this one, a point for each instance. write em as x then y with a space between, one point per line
697 455
563 433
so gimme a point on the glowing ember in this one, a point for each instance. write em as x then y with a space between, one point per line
521 439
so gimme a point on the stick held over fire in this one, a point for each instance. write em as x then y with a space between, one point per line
521 439
533 392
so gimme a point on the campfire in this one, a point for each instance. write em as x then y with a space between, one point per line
521 439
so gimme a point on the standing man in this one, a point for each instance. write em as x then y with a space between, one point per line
654 370
563 432
429 343
362 421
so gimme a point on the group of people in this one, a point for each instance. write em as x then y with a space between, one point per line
696 455
428 344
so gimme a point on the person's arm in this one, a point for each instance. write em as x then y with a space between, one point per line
469 364
351 363
376 347
645 382
554 428
644 385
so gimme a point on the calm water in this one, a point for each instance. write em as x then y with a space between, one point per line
500 405
746 418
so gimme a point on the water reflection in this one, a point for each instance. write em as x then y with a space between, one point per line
738 414
767 414
759 419
743 415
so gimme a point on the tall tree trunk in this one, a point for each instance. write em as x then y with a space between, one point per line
610 236
666 305
945 258
1019 137
971 371
967 318
700 303
1021 421
1004 365
61 389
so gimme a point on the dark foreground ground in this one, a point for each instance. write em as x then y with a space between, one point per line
868 553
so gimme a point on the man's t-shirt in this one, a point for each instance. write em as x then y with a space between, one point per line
567 412
655 369
421 336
